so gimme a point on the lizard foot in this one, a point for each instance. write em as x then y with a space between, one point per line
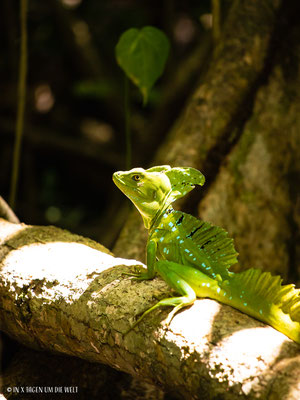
137 274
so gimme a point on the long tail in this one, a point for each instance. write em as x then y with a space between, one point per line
262 296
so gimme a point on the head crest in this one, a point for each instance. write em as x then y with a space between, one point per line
183 180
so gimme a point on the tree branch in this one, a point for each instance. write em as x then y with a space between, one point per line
7 213
64 293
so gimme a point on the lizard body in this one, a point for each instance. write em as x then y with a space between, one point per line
194 257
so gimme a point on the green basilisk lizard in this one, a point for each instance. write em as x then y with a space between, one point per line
194 257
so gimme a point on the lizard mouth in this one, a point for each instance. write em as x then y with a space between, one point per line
122 184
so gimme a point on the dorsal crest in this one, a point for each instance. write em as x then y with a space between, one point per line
212 240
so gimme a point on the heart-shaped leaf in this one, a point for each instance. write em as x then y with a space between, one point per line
142 54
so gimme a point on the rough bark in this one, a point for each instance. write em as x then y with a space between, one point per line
254 194
66 294
58 376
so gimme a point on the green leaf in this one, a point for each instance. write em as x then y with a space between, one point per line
142 54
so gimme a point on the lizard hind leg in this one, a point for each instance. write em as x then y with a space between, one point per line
168 271
188 295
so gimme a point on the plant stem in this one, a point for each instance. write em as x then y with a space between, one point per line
21 102
127 123
216 14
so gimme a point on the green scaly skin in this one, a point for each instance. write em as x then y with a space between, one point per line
194 257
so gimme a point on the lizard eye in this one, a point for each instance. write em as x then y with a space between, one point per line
136 177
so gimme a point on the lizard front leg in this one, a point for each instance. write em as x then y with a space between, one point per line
151 262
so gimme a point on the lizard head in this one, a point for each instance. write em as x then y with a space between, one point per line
154 189
146 189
